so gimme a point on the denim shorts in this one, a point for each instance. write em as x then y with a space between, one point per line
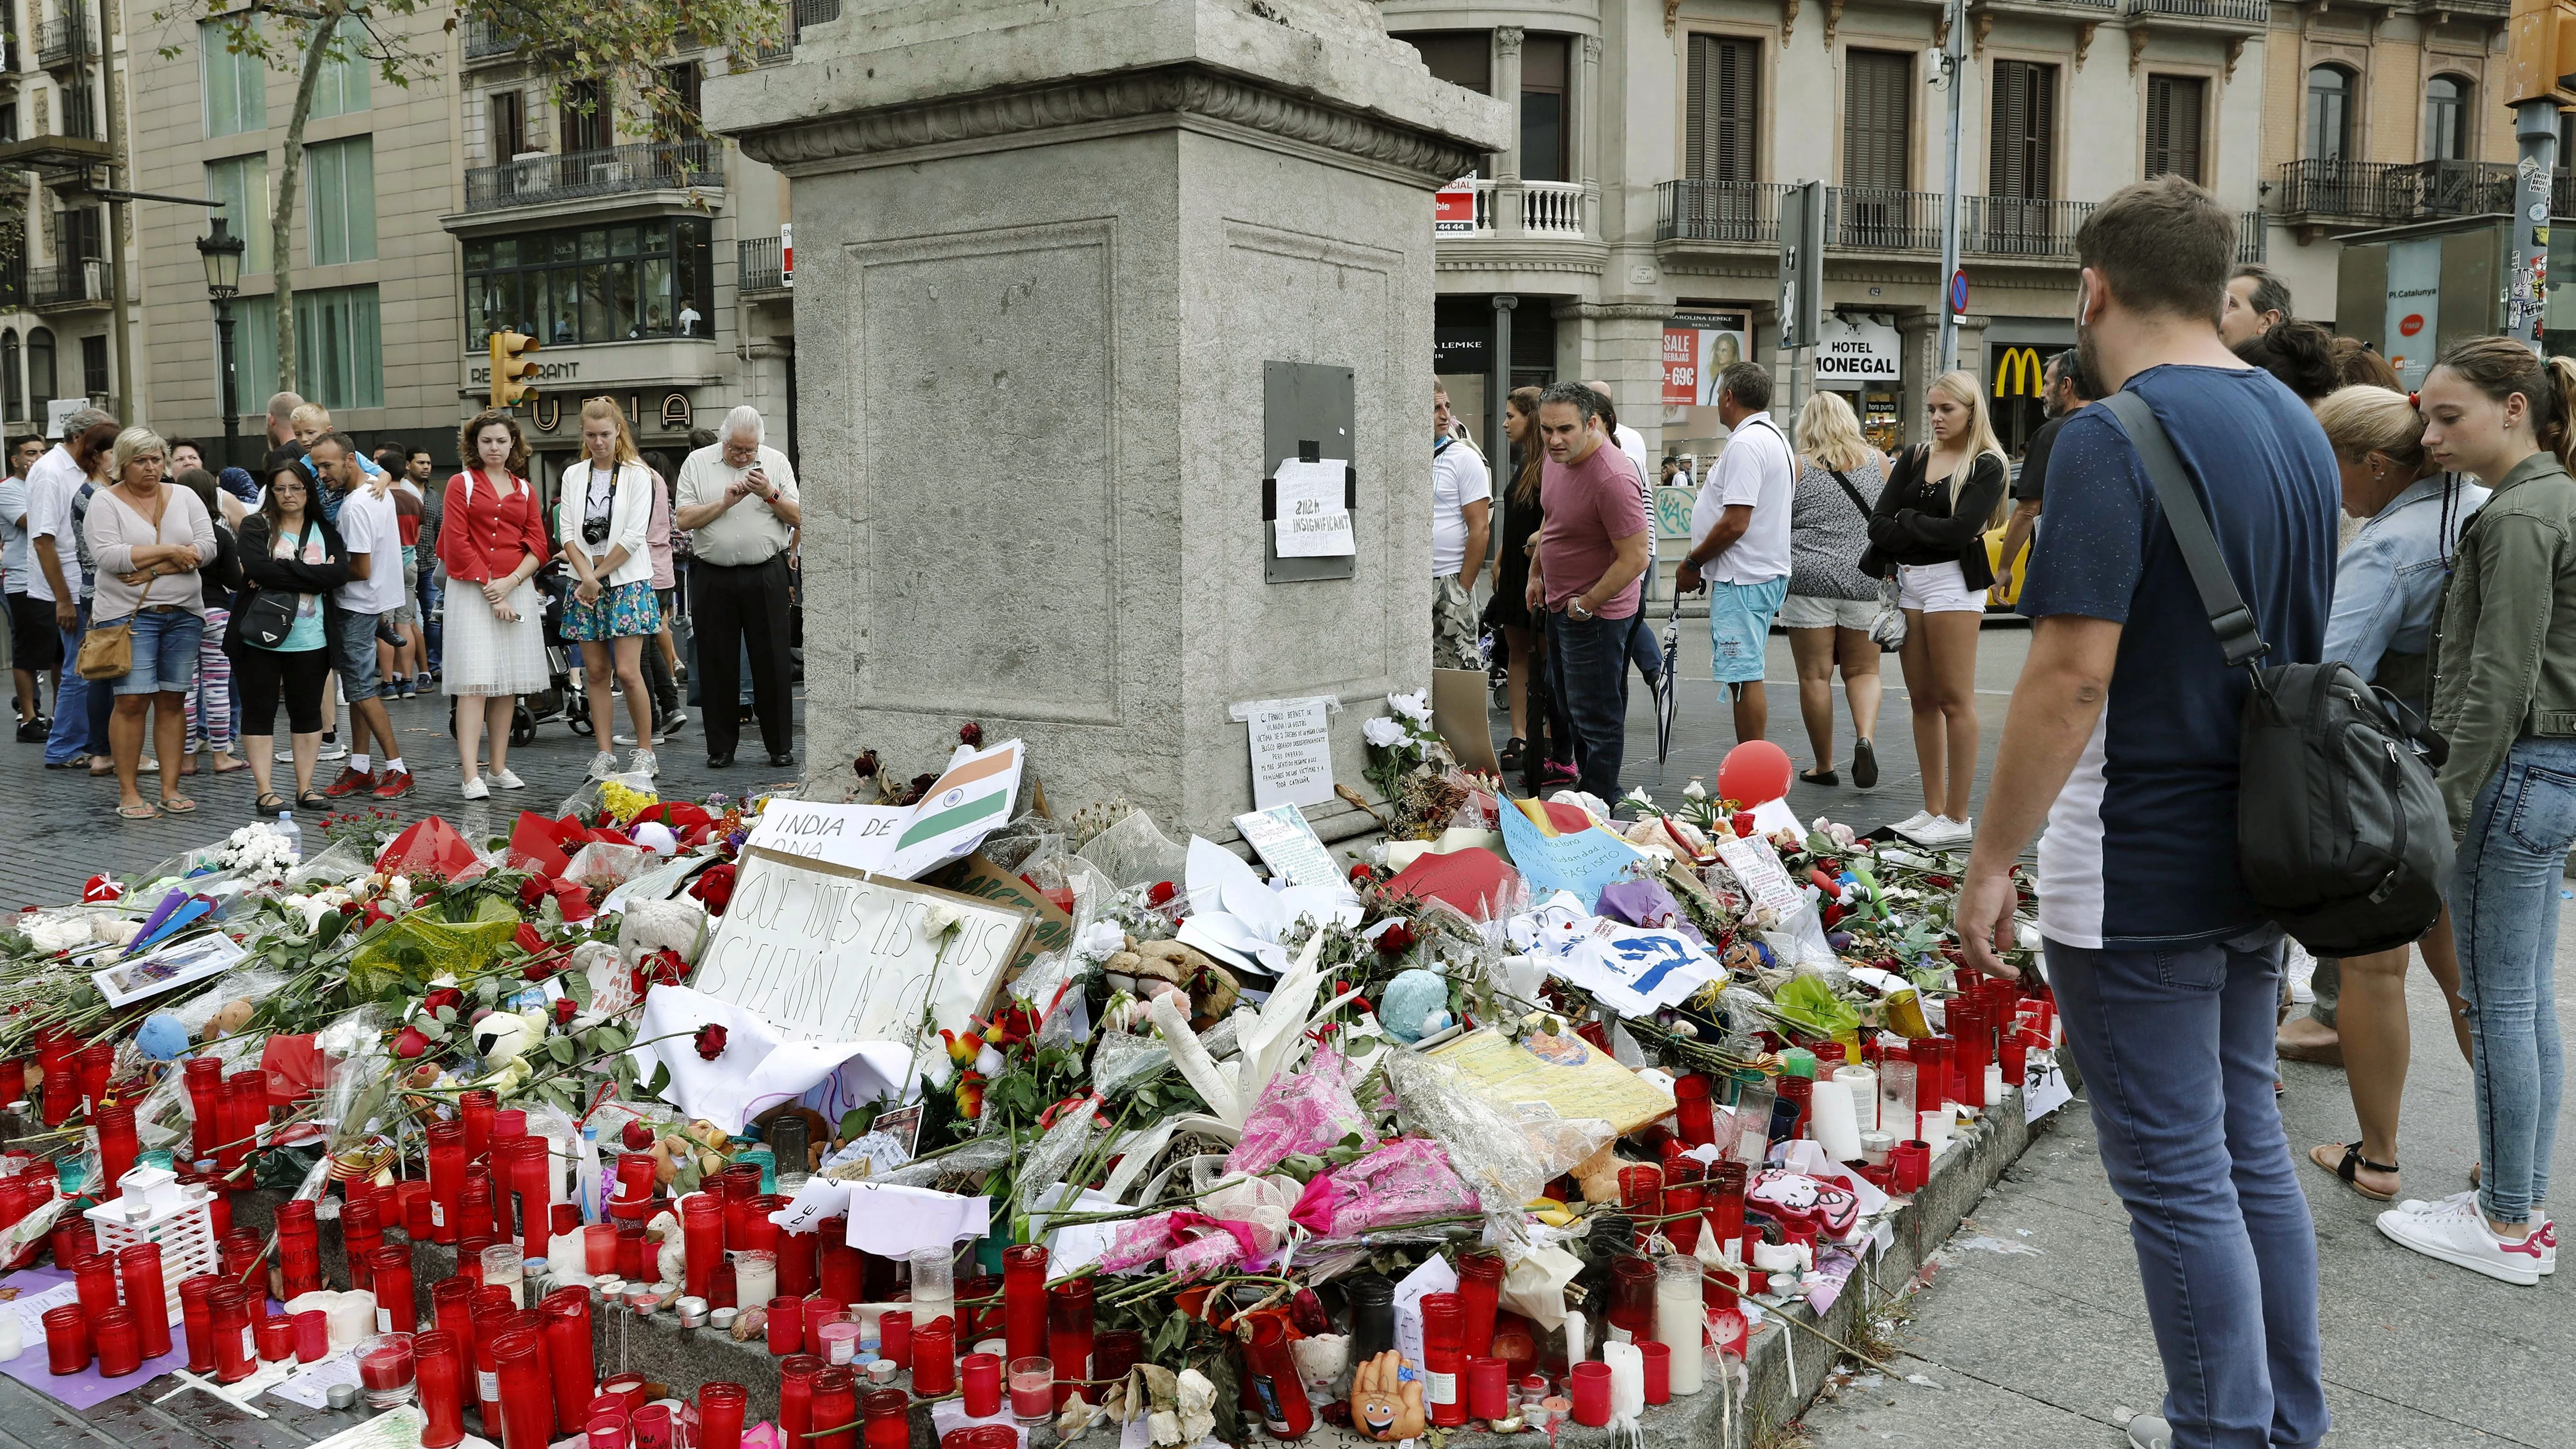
165 651
353 653
1739 627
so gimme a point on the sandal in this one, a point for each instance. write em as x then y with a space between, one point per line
234 767
76 762
313 800
270 803
1820 777
138 812
180 805
2353 1162
1514 751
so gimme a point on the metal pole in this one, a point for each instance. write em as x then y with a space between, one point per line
2535 125
232 408
1954 64
126 406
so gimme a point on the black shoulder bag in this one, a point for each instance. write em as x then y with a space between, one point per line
2340 834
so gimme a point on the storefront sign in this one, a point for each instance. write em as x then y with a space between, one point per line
2414 307
2020 372
1697 347
1854 351
1454 207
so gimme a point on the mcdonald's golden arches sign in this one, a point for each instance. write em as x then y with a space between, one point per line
2019 372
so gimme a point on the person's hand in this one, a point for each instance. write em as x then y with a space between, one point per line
1984 919
187 557
1686 579
736 491
136 579
1534 594
1384 1406
502 611
587 591
493 593
1995 593
67 613
757 481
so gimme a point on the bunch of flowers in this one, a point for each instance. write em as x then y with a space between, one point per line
257 852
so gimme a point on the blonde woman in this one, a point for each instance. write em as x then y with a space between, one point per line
150 539
1831 602
1930 525
604 510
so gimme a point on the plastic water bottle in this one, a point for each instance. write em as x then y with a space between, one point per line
293 832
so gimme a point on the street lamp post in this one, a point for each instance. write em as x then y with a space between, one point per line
222 253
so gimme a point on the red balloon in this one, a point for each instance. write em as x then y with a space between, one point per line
1754 772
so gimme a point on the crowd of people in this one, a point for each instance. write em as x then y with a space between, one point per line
161 611
2427 540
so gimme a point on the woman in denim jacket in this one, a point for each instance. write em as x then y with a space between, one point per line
2388 584
2504 700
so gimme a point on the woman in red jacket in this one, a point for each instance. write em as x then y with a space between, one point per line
493 538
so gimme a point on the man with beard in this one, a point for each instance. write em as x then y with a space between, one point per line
2065 388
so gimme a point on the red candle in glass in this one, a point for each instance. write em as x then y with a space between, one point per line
451 1308
653 1426
894 1337
836 1410
1932 1085
250 1114
1693 1121
362 1231
1641 1191
312 1336
1912 1162
474 1214
720 1414
275 1337
819 1311
1069 1328
568 1353
979 1381
1480 1284
204 1077
1489 1395
389 1362
1024 1301
984 1289
95 1277
1444 1359
721 1289
146 1294
447 1159
797 1263
412 1200
54 1049
197 1317
735 1190
630 1252
934 1361
1272 1375
66 1339
490 1325
885 1417
787 1326
389 1272
474 1118
118 1145
761 1232
843 1274
532 1178
236 1352
796 1396
1725 1207
1114 1353
1592 1393
1658 1357
635 1178
13 1080
701 1240
1687 1199
240 1250
527 1397
1632 1296
438 1366
1799 1093
299 1248
92 1064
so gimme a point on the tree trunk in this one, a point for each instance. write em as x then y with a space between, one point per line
281 227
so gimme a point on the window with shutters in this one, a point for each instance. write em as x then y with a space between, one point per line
2446 119
1724 84
1878 96
2329 113
2025 126
2174 119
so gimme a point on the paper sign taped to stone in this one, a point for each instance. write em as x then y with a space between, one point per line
1292 751
825 954
1312 521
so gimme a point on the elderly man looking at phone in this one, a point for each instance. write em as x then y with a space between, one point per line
738 500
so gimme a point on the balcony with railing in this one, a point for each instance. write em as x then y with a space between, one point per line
73 286
580 175
1551 209
485 40
800 13
2253 237
2317 191
66 40
759 269
2202 14
1871 219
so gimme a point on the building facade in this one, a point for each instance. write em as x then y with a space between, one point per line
485 196
57 269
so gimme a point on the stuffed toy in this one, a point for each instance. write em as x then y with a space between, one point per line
1804 1204
1386 1399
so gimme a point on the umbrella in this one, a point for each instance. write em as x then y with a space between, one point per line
1666 695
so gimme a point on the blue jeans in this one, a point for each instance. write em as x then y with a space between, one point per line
70 734
164 651
1588 668
431 630
2504 904
2176 1051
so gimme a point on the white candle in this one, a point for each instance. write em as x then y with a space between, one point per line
1576 1345
1679 1311
11 1339
755 1277
1836 1122
1994 1083
1935 1131
1863 1083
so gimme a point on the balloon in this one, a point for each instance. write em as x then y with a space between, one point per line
1753 773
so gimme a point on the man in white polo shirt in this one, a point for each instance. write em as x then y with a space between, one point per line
1740 540
1461 527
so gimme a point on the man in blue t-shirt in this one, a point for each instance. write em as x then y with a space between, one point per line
2122 736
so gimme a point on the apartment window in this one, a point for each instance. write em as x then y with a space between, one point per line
1878 103
94 365
2174 119
592 284
341 88
2329 113
339 347
685 81
585 117
2446 119
241 184
236 84
40 371
2025 106
341 176
507 112
1724 87
80 234
1543 112
1463 58
13 383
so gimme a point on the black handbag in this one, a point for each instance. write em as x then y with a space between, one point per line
2341 835
270 617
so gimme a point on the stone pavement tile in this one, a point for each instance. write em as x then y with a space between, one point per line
1894 1413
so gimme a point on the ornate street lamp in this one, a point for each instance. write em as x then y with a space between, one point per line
222 253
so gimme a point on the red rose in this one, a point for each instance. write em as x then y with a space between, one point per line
565 1006
710 1041
638 1137
714 887
410 1044
1161 894
1396 939
532 890
442 996
1742 820
866 764
1361 874
972 733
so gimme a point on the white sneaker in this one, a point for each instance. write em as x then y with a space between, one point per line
1914 822
602 765
286 757
2445 1204
508 780
2460 1235
476 789
645 764
333 750
1945 833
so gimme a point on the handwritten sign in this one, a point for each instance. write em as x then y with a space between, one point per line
825 953
859 836
1581 861
1312 522
1636 970
1051 929
1292 751
1756 867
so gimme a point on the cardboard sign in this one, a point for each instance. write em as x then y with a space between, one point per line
1052 929
859 836
1756 867
969 801
1312 522
1581 861
827 953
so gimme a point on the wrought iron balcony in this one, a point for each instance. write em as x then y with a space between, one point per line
64 41
2321 191
758 267
483 40
73 286
609 171
1872 219
2256 13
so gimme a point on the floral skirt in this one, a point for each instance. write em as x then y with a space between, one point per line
623 612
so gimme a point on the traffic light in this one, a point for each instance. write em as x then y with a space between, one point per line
514 375
2541 54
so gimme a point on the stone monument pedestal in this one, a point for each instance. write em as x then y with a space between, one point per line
1045 252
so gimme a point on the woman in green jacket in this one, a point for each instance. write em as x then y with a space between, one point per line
2504 699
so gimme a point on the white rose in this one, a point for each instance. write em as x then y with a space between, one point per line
940 919
1382 732
1415 706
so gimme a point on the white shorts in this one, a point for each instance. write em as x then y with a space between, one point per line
1937 589
1805 611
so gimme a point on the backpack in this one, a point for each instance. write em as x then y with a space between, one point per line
2340 834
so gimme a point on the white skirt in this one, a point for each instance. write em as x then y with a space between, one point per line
484 655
